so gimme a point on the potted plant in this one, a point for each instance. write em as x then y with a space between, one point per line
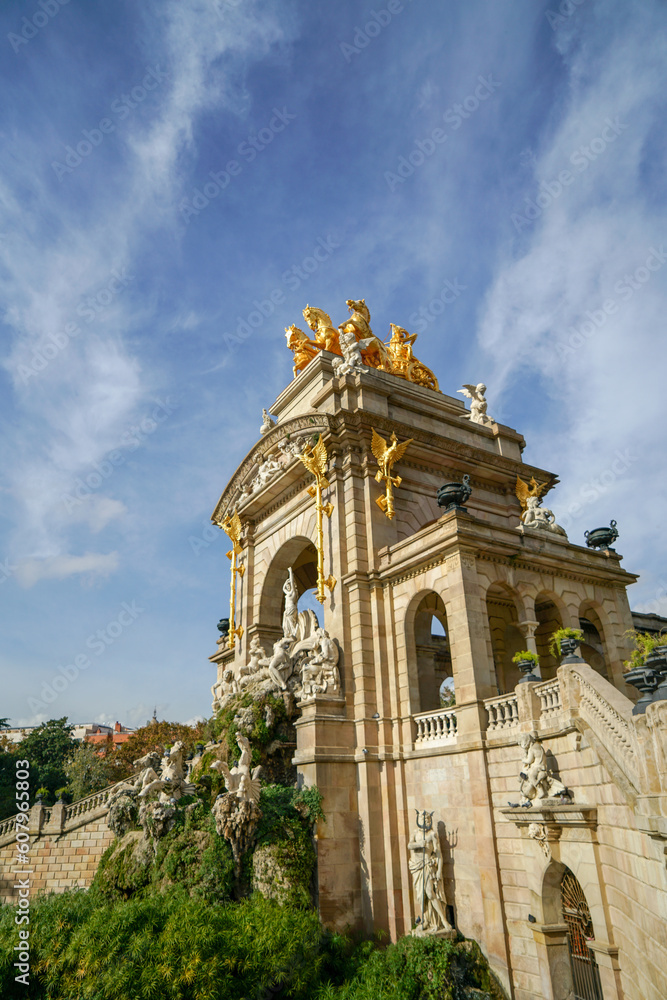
63 796
526 661
647 667
41 794
563 643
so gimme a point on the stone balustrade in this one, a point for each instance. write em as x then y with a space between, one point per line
90 802
435 727
503 712
551 702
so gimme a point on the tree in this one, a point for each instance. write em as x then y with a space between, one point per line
88 771
154 736
47 748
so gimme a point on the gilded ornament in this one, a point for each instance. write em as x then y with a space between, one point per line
316 461
303 348
326 334
387 455
233 528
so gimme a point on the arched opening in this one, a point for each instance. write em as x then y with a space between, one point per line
577 916
506 636
593 646
549 618
301 555
432 655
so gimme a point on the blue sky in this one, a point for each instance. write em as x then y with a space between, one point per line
170 168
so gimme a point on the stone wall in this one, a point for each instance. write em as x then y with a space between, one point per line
66 844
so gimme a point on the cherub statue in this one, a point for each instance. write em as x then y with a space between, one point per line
478 414
351 349
267 423
537 782
239 781
303 348
426 870
326 335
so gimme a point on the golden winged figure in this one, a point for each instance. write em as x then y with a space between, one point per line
532 489
232 526
316 461
387 455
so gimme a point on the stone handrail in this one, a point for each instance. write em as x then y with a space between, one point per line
609 715
7 826
439 726
550 698
503 712
89 802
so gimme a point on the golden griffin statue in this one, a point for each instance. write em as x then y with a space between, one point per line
525 490
387 455
316 461
394 355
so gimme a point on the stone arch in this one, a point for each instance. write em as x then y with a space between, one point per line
596 627
300 553
504 607
429 658
551 613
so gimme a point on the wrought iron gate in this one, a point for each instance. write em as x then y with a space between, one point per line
577 916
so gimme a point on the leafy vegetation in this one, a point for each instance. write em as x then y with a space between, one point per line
526 654
171 946
645 643
88 771
563 633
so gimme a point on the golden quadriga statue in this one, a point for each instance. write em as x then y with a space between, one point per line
355 342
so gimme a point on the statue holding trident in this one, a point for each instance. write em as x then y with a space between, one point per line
426 870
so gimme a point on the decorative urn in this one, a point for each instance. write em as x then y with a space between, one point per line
568 648
602 538
452 496
526 667
223 627
646 681
657 662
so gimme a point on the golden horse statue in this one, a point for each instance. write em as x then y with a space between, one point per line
326 334
303 348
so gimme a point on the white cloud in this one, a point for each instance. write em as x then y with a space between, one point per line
94 564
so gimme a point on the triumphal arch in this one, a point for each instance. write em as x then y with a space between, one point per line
423 535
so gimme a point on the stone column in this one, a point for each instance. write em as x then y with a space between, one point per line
554 961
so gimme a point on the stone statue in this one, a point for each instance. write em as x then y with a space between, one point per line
426 870
351 349
266 470
537 782
253 671
239 780
225 690
478 414
291 612
319 673
540 518
280 664
267 423
171 783
237 811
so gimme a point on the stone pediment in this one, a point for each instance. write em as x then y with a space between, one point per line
271 466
